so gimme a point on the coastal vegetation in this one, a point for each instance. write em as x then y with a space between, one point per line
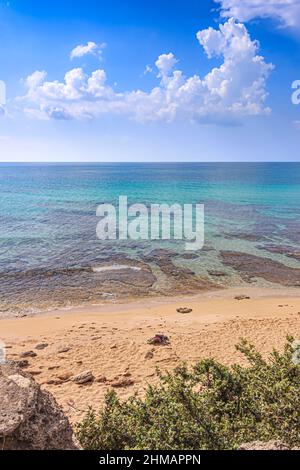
207 406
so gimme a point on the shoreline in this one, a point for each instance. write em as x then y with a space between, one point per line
119 304
153 276
111 340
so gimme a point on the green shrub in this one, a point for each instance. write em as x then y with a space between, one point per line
210 406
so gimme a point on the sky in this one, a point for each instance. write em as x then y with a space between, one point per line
193 80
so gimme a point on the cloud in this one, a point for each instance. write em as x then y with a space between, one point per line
165 63
35 79
287 12
90 48
235 89
148 69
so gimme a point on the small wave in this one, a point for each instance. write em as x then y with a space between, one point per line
115 267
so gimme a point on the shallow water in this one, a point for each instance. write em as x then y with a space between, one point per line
49 251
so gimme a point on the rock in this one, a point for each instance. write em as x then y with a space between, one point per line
53 382
41 346
34 372
181 279
25 354
21 364
101 380
251 267
184 310
83 378
30 419
250 237
258 445
242 297
289 251
65 376
217 273
122 383
131 277
189 256
63 350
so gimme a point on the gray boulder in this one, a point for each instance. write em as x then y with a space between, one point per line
30 419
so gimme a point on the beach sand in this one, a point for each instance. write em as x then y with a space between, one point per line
111 340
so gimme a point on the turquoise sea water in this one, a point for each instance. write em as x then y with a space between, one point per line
48 216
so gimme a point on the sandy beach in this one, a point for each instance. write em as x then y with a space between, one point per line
111 340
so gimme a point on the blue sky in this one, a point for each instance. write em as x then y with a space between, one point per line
149 81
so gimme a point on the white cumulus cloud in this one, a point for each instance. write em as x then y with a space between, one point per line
287 12
235 89
89 48
165 63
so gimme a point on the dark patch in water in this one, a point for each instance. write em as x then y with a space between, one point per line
289 251
250 237
292 231
227 210
217 273
49 288
180 280
250 266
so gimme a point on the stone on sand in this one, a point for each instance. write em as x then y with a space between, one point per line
242 297
41 346
83 378
184 310
25 354
63 350
122 382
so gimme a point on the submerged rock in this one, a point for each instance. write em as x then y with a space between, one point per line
217 273
251 266
116 274
30 419
180 279
247 236
289 251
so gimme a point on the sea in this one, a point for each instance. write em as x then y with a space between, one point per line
50 256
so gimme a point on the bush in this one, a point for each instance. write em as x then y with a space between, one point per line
210 406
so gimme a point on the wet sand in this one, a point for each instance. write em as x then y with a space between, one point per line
111 340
